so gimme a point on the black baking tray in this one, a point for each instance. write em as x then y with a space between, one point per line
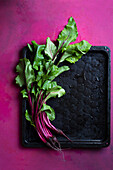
83 113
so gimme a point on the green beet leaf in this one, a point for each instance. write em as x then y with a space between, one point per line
40 75
48 66
33 90
49 111
35 45
40 83
30 48
57 91
56 71
20 68
49 85
29 118
50 48
38 57
69 34
46 85
74 52
29 73
24 93
26 73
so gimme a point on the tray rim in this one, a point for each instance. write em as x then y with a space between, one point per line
85 143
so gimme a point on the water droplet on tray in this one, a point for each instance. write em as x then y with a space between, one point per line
97 79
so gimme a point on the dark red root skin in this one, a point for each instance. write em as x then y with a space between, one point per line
62 133
55 140
48 123
57 149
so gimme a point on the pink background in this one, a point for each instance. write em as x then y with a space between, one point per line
20 22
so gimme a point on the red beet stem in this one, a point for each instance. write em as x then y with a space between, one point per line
45 120
41 135
53 140
39 131
38 102
46 132
41 98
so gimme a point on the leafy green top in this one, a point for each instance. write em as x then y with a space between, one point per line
37 77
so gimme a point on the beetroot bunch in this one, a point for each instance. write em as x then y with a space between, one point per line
36 76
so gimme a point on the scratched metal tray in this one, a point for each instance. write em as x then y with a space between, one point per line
84 112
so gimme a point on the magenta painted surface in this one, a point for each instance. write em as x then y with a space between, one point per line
20 22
